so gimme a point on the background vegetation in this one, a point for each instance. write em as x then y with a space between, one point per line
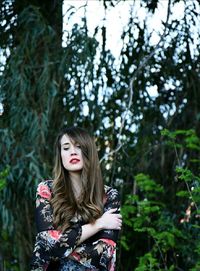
149 145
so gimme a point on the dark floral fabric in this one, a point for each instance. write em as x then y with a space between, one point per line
52 246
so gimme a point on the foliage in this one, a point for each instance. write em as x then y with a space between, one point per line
45 85
31 87
170 241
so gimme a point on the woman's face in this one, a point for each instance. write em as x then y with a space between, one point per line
71 155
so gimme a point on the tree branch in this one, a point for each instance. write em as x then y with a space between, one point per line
141 66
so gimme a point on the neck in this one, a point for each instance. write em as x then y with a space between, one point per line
76 183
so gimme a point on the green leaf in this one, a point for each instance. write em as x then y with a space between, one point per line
182 194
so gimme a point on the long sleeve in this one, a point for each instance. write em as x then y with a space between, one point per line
50 243
100 250
112 202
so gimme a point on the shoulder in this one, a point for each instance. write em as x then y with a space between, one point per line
44 189
111 193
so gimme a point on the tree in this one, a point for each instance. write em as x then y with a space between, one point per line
29 84
45 85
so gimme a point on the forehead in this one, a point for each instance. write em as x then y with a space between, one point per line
66 139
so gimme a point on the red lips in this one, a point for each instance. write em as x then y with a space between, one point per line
74 161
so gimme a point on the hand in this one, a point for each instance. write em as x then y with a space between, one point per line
110 221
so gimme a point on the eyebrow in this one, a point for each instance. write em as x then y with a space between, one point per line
66 143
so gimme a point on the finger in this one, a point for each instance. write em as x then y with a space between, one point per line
111 211
118 216
119 227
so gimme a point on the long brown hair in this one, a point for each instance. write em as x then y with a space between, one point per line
64 203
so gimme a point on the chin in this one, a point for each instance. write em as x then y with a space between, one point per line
75 170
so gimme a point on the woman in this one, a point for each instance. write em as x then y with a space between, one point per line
77 216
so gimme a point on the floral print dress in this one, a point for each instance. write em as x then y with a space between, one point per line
53 248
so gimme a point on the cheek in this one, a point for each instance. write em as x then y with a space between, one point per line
82 161
63 158
81 156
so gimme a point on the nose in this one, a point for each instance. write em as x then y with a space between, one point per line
73 150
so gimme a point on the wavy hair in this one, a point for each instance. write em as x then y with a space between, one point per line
64 203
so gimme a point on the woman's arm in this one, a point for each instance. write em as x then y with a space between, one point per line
100 255
108 221
50 243
112 202
100 249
